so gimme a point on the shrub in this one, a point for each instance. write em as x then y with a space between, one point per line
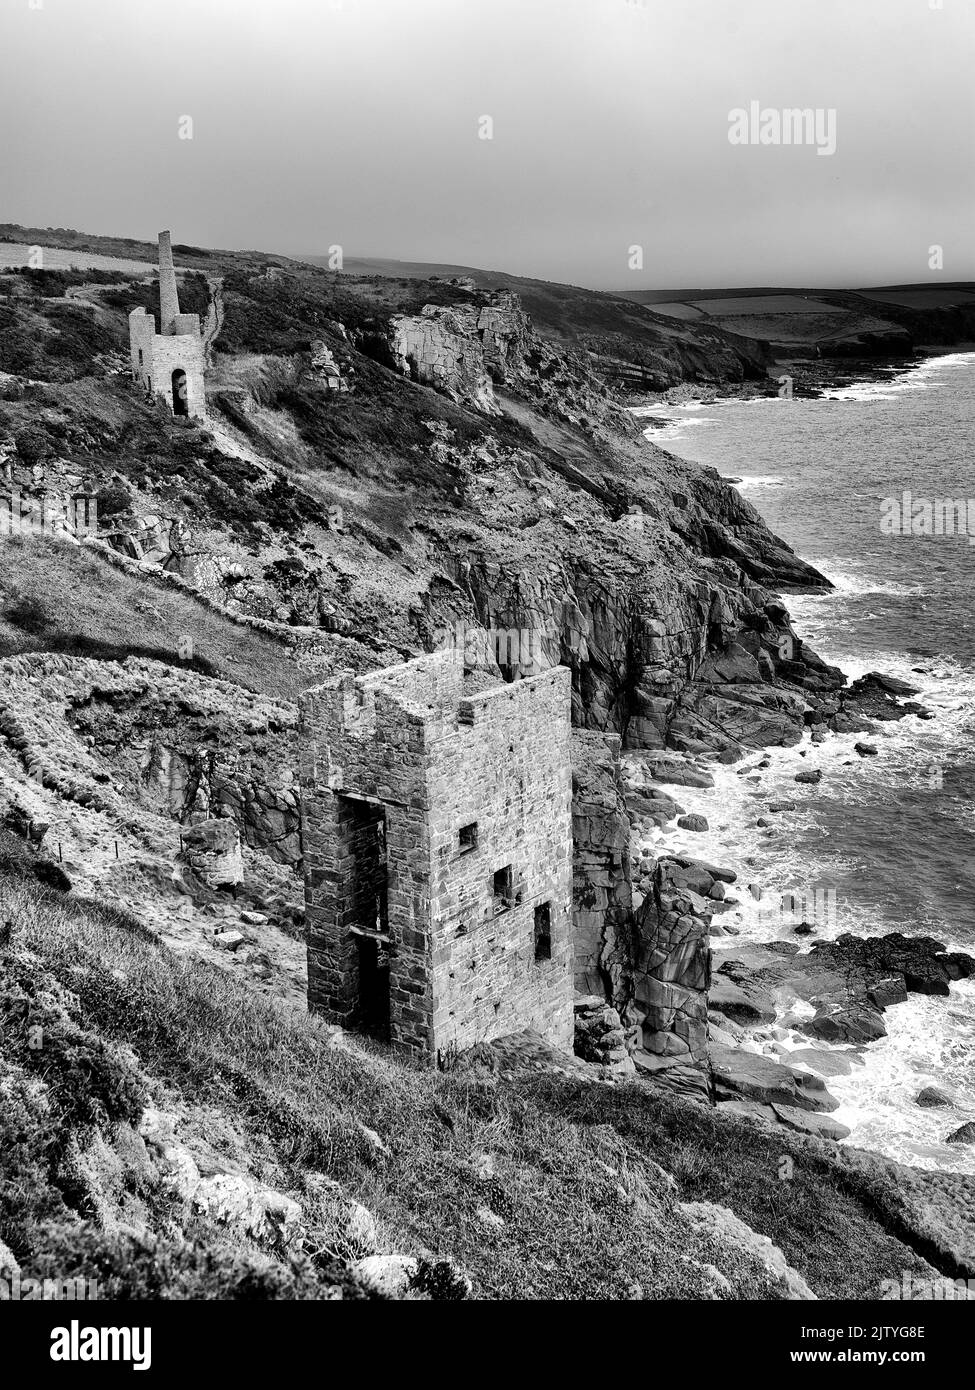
27 613
33 445
127 1268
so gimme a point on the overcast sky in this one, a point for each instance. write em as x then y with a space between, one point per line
357 123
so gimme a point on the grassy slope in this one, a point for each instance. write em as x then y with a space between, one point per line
61 597
586 1210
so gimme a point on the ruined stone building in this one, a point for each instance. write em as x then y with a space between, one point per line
437 838
169 363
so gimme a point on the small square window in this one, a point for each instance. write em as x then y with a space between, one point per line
504 889
468 837
543 931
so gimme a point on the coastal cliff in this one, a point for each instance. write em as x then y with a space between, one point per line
385 462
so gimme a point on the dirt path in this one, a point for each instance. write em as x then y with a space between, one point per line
215 316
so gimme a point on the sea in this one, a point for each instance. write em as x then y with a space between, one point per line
882 843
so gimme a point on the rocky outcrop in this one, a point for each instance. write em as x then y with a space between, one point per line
211 851
602 896
722 1225
850 981
600 1038
672 968
740 1074
441 348
463 349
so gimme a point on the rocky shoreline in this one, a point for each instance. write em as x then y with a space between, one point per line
810 379
758 1029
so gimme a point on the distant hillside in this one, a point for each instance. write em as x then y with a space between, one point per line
722 334
827 323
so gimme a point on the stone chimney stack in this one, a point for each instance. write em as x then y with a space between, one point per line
168 296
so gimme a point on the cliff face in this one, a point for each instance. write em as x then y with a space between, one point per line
602 889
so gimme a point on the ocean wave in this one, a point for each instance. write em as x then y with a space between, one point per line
673 430
851 584
760 480
922 377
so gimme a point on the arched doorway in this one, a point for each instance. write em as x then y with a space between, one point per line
180 402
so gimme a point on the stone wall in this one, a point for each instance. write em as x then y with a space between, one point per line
163 355
508 772
438 754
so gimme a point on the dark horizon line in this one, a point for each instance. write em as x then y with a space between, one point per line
616 291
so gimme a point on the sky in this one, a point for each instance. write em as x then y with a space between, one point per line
584 141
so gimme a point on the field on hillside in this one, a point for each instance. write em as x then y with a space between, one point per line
14 254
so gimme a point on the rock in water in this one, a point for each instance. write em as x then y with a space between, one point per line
931 1096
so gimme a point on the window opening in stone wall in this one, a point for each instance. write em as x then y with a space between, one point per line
543 931
468 837
504 889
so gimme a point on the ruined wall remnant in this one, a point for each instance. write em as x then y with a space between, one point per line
170 363
437 836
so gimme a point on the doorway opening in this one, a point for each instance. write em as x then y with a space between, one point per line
180 403
366 911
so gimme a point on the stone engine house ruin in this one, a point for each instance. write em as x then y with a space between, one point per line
437 835
169 363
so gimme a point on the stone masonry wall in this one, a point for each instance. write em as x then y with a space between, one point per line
356 738
508 771
463 964
179 351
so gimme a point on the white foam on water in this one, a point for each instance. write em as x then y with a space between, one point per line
849 583
930 1042
674 429
923 377
757 480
